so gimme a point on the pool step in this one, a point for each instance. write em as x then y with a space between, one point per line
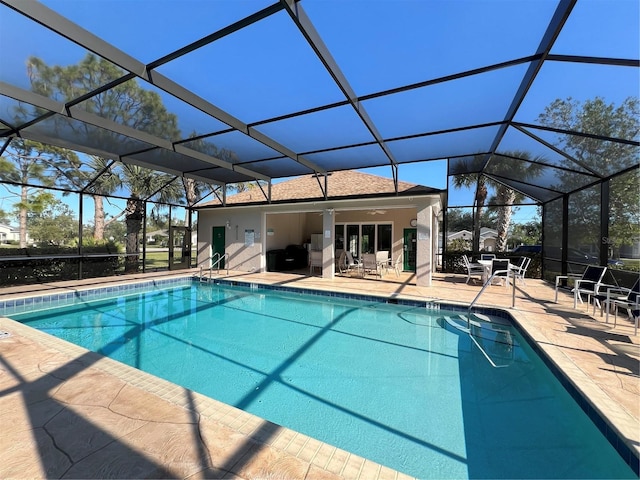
459 322
478 320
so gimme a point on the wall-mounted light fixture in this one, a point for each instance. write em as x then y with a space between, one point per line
330 211
228 224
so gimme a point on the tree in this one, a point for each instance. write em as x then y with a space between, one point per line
529 233
115 230
4 217
459 219
29 163
54 223
142 183
522 167
598 117
105 181
127 103
469 180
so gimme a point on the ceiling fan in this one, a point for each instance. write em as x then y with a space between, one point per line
376 212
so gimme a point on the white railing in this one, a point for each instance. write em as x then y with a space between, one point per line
500 274
216 259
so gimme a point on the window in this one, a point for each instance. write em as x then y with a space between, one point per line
384 237
368 238
363 238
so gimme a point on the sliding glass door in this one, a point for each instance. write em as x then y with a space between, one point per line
359 238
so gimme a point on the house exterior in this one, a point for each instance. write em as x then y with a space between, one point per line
360 212
9 233
488 238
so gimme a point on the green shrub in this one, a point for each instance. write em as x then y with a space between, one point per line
20 266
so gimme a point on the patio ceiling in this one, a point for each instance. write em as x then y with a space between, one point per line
264 90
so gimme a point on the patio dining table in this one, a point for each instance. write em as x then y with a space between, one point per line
486 273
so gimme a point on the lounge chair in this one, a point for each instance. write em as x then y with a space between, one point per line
473 269
588 283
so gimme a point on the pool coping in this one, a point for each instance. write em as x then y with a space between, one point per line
585 392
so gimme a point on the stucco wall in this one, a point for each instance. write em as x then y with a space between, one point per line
313 225
281 227
242 257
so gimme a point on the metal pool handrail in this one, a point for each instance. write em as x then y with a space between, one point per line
489 282
216 258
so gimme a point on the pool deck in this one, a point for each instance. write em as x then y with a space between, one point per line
70 413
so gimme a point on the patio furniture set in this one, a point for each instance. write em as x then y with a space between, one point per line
378 264
607 297
499 268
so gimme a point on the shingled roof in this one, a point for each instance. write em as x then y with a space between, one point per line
344 184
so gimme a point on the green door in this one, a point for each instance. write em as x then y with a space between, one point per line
218 244
409 247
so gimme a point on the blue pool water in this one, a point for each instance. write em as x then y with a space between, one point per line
393 383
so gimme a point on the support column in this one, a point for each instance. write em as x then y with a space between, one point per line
435 238
328 233
424 246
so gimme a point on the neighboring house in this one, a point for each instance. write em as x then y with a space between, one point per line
9 233
361 213
488 238
161 235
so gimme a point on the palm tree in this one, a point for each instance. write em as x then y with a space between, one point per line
468 180
143 183
505 197
104 183
522 168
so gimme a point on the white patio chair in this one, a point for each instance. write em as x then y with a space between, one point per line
625 298
397 265
520 269
315 260
473 269
382 259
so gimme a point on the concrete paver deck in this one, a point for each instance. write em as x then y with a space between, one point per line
70 413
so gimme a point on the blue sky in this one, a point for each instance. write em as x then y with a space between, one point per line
379 44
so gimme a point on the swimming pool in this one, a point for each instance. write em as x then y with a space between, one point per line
393 383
